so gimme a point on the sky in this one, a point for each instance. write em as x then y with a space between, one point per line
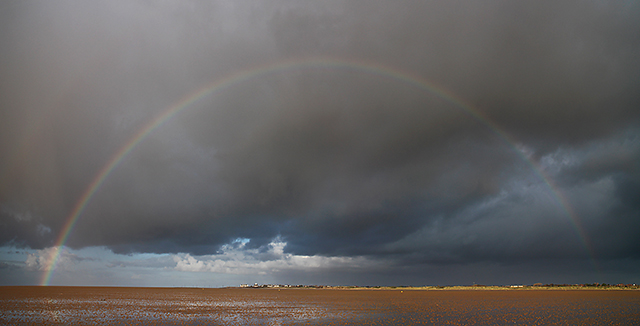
341 142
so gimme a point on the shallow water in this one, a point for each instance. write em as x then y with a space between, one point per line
179 306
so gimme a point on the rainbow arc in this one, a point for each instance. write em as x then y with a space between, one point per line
245 75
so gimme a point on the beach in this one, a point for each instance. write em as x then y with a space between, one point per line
235 306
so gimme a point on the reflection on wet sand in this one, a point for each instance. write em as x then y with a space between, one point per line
189 306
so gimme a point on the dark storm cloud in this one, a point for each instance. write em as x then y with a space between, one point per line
336 162
23 228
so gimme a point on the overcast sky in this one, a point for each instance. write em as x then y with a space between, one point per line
341 173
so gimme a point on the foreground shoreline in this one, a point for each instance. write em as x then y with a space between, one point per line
314 306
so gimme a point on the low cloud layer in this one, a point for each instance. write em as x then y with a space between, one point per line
234 258
337 163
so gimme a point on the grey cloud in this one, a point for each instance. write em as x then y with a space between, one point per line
22 228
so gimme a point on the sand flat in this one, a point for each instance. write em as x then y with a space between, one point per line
235 306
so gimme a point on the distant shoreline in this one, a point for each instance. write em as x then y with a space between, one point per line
458 288
594 286
494 288
552 287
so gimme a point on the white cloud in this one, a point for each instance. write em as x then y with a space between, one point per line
619 151
43 229
25 216
234 258
41 260
556 161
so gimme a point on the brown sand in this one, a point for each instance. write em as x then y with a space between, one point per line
188 306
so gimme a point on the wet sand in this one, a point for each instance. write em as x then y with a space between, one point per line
235 306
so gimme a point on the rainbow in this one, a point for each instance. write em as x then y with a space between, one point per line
372 68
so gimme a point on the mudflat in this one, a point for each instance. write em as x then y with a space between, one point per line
242 306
